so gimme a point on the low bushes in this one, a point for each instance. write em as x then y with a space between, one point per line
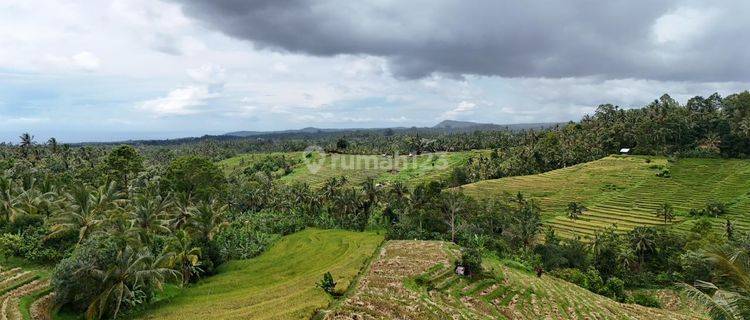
646 300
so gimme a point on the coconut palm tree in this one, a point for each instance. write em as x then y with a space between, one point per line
183 256
575 210
642 240
734 268
27 142
208 219
119 225
121 282
183 211
150 216
8 198
666 212
87 210
399 191
371 194
53 145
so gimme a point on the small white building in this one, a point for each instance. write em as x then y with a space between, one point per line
625 151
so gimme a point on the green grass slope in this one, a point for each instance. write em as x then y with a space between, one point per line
280 283
415 280
357 168
624 192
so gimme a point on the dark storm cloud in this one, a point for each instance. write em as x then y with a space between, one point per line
610 39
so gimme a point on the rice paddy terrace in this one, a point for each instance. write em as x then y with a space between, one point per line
278 284
415 280
623 192
410 170
24 294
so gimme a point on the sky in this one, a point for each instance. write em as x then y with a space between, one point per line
97 70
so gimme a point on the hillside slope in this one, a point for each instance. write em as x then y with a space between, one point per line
410 170
390 290
280 283
624 191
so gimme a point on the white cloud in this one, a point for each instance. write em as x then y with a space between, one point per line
180 101
147 55
682 25
22 120
86 61
463 108
281 67
208 74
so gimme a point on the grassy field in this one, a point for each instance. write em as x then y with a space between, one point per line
280 283
390 290
624 192
357 168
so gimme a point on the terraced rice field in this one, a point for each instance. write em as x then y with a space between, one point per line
389 291
17 285
280 283
357 168
624 192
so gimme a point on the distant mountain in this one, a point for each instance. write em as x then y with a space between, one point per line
443 126
446 126
455 124
303 130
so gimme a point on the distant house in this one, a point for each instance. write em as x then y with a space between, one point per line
625 151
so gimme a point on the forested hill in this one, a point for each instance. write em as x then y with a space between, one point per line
445 126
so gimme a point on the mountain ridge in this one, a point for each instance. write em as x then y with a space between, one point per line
445 125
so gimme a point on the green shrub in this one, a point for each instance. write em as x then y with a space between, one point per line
695 266
32 244
241 241
75 288
275 166
715 208
701 226
25 221
646 300
471 260
664 173
594 280
615 289
572 275
327 284
11 244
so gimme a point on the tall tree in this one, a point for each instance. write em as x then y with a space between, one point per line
209 219
575 210
666 212
122 282
26 144
197 177
183 256
453 205
122 163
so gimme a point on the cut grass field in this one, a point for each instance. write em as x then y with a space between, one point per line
415 280
624 192
278 284
357 168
